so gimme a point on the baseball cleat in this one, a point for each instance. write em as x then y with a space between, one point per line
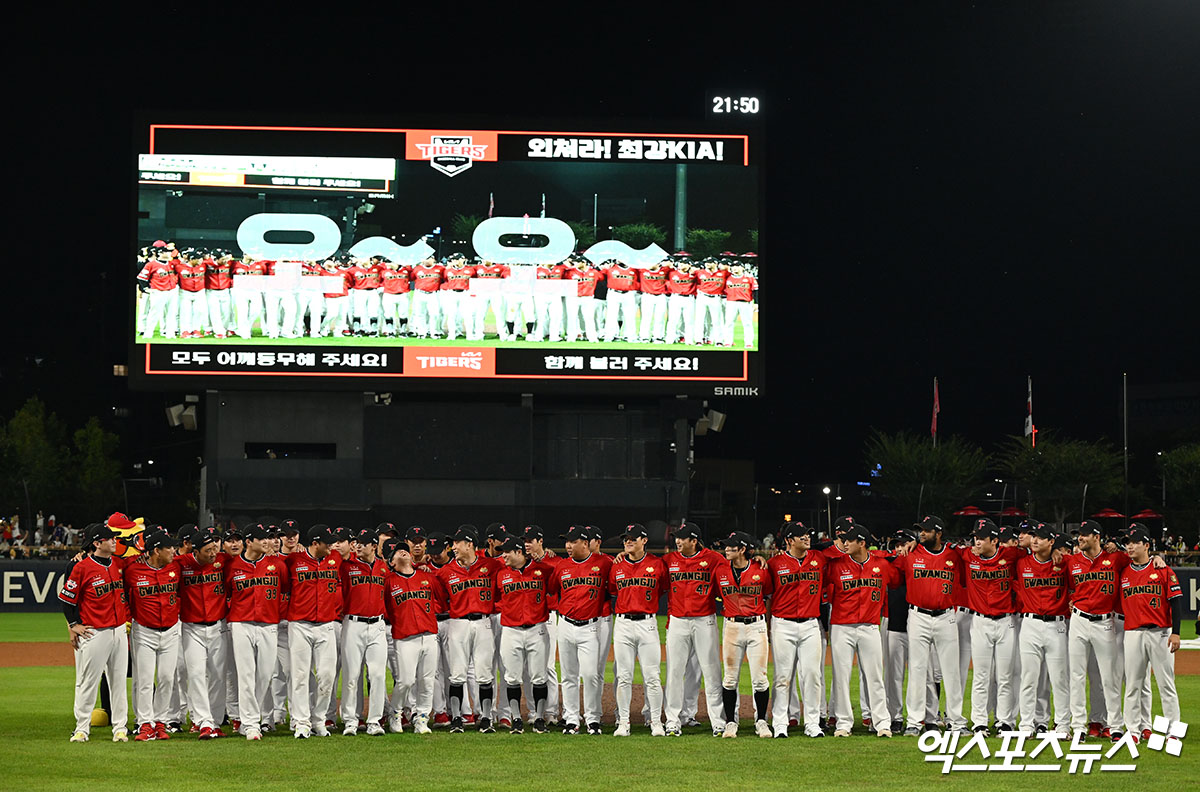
657 730
456 725
302 734
912 731
485 726
761 728
1105 733
320 730
1116 734
350 731
120 735
1094 729
160 731
516 727
505 723
674 732
1145 734
816 735
781 734
396 724
146 733
866 722
206 733
1041 728
841 733
621 731
195 729
730 730
217 733
794 722
691 723
236 725
571 728
374 730
897 726
174 727
1003 727
440 720
539 726
982 730
594 728
253 735
266 727
421 725
469 719
79 736
884 733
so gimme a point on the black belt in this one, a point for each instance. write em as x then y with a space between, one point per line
475 616
929 612
523 626
203 624
156 629
1040 617
1092 617
986 616
745 619
363 619
798 620
577 622
635 616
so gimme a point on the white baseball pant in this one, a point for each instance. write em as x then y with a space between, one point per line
495 301
523 650
313 647
745 641
965 618
654 317
416 660
1087 639
637 640
249 307
313 304
164 313
364 645
605 632
551 652
938 634
454 307
708 307
104 652
254 647
335 315
1044 643
685 634
153 651
278 692
863 640
735 310
231 675
796 649
1146 650
220 310
578 648
425 312
393 308
993 643
204 657
621 304
585 307
681 310
471 639
500 705
548 310
192 310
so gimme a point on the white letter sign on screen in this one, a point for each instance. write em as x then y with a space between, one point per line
486 240
251 236
615 249
405 255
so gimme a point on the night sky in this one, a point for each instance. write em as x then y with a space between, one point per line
977 193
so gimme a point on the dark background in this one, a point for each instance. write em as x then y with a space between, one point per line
975 192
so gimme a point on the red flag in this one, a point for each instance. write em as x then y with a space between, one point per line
937 408
1030 429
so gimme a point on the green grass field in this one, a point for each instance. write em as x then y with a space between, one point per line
35 722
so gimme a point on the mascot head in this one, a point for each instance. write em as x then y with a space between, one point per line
129 534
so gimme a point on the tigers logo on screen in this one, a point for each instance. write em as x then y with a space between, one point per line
451 155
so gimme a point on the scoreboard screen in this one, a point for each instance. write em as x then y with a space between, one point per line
558 259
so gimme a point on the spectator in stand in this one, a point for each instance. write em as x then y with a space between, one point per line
41 521
39 536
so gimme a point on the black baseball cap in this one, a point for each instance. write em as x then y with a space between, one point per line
635 531
931 523
740 539
435 543
1027 525
595 532
153 540
386 528
576 532
98 532
1090 527
205 536
794 528
416 533
1062 541
687 530
365 536
1041 530
390 546
467 533
495 531
534 532
842 524
512 543
985 529
1138 533
340 534
319 533
256 531
233 532
185 532
1007 534
289 528
857 533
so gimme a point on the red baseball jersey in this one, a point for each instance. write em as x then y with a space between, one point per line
397 281
681 283
621 278
493 271
359 277
710 282
695 581
345 276
440 602
375 276
160 275
362 587
98 590
585 280
990 589
428 279
470 589
859 591
930 577
218 275
459 278
523 594
314 587
581 586
412 603
248 269
255 588
191 274
1146 594
637 585
740 288
551 273
797 583
753 585
653 281
1041 587
152 593
1094 581
202 596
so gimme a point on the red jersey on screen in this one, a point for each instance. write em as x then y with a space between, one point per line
412 603
249 268
159 275
585 280
797 583
551 273
360 277
709 282
637 585
153 594
345 276
695 581
470 589
1146 595
314 587
523 595
98 590
397 281
191 275
1094 581
493 271
218 274
752 585
740 288
621 278
428 279
362 587
681 282
202 589
459 278
255 588
653 281
375 276
1041 587
859 591
582 586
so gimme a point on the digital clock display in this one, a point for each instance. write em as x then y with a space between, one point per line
740 105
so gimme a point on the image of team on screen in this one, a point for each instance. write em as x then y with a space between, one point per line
193 293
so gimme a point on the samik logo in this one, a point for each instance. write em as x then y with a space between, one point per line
452 155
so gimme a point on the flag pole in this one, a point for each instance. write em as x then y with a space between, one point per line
936 409
1125 422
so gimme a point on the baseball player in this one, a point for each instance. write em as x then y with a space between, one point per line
548 307
308 302
860 581
193 310
361 293
457 304
177 704
338 303
232 544
364 634
159 284
604 622
710 291
582 302
522 597
427 280
494 536
314 582
681 304
739 305
285 540
413 598
745 634
535 549
637 580
93 597
581 586
202 608
697 574
469 584
437 555
218 278
652 282
255 582
796 576
621 300
247 301
1152 601
152 588
397 286
1042 600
